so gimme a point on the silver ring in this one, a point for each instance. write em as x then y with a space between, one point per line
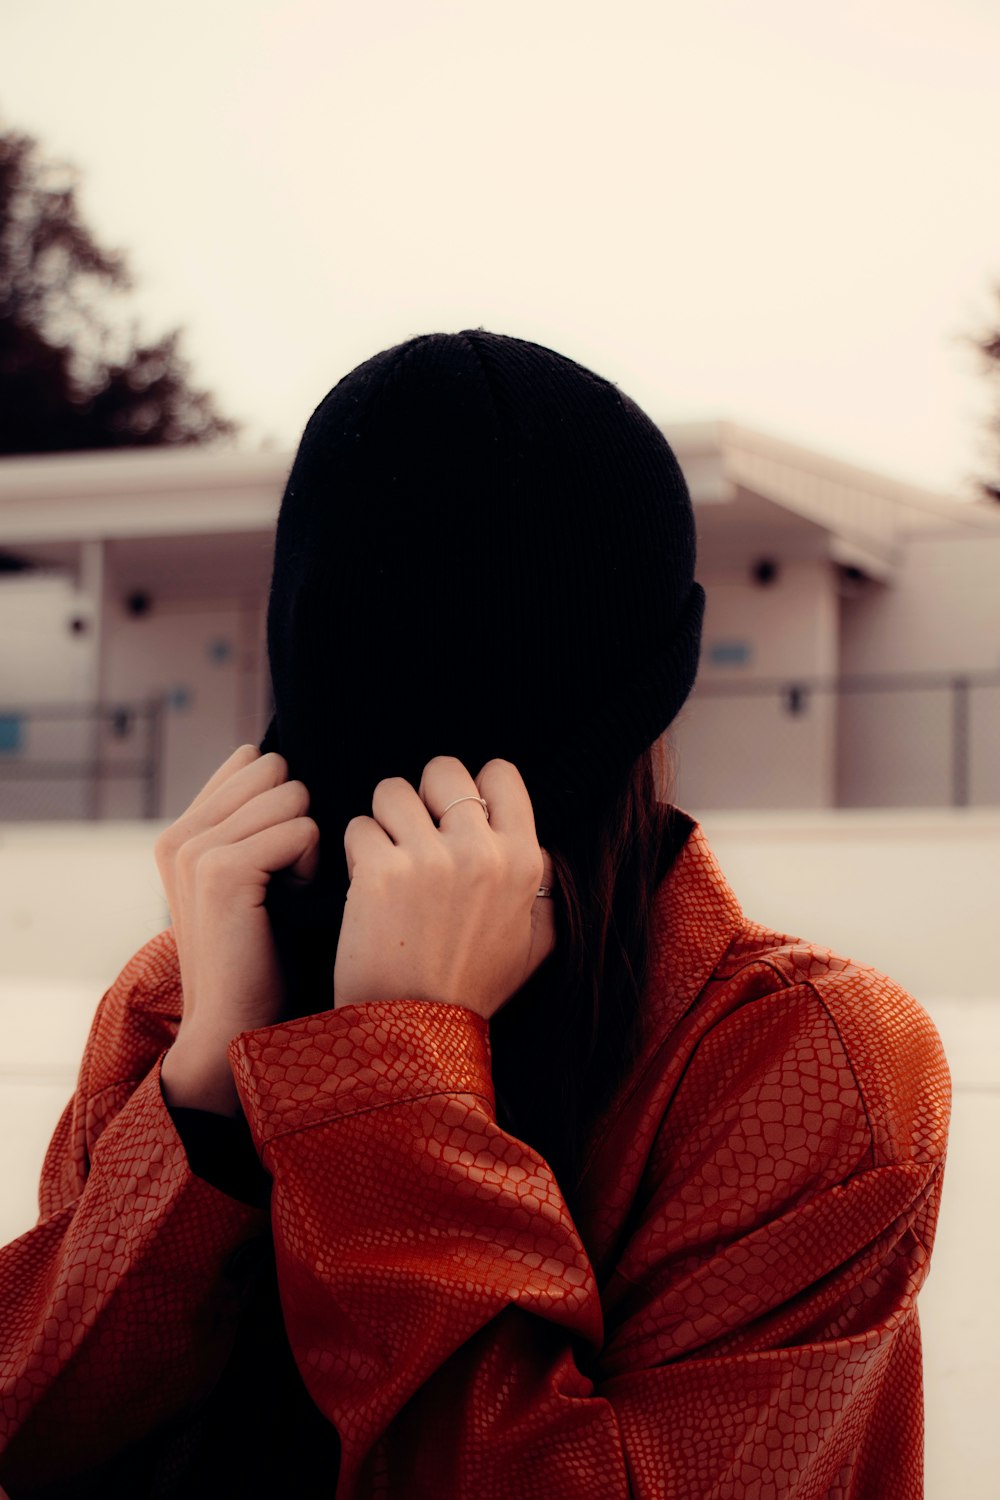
543 890
469 797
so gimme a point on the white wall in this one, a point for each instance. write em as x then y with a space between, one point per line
206 657
940 614
43 662
790 624
912 891
77 899
749 750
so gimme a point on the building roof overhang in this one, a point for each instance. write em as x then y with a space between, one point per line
753 494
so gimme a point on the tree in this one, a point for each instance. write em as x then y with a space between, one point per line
68 381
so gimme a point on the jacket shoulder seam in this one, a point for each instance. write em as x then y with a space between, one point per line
788 983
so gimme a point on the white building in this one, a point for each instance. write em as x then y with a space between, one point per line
151 582
132 649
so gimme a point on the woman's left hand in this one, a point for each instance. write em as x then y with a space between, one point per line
447 913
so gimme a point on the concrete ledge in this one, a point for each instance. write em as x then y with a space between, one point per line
911 891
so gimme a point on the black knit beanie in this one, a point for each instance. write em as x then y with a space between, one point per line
483 549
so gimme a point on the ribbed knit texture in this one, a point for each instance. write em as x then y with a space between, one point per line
483 549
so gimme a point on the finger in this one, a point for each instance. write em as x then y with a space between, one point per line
366 840
512 818
511 813
444 780
244 755
249 864
240 787
399 809
276 804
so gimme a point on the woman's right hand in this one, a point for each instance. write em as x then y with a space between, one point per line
215 862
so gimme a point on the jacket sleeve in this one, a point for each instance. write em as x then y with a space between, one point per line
119 1305
446 1317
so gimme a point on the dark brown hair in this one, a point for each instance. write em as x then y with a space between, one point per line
564 1042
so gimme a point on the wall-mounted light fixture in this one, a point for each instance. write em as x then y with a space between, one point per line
138 603
765 572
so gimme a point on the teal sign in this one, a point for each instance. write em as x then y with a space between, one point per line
730 653
11 734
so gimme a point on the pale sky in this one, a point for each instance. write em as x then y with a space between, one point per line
783 212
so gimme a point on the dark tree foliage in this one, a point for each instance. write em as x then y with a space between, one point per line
67 380
988 344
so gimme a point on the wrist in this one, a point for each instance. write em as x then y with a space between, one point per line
195 1076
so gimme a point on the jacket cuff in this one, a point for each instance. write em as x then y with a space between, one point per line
220 1150
319 1067
141 1161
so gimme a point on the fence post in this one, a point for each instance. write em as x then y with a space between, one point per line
960 742
96 712
154 756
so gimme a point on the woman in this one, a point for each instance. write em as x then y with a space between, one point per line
461 1137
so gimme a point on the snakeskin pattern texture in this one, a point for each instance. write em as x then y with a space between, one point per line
732 1315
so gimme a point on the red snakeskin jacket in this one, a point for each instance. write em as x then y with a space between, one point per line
759 1206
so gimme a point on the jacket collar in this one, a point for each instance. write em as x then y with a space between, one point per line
695 918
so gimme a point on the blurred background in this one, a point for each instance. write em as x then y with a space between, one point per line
775 225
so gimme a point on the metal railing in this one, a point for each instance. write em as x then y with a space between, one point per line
879 740
80 761
886 740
